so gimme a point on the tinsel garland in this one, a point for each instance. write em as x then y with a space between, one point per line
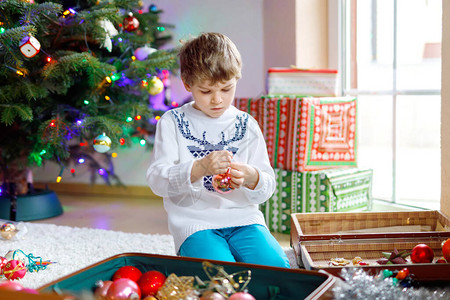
358 284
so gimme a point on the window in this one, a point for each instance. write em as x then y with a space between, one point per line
391 61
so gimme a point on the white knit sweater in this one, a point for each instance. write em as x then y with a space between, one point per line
185 134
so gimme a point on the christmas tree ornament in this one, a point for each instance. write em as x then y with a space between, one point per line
422 253
177 287
102 143
8 230
130 272
17 255
222 183
210 295
29 46
150 282
123 289
446 250
101 289
241 296
155 86
110 31
142 53
130 23
3 262
10 285
14 269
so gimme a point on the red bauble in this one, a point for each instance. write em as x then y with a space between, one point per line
123 289
130 272
3 262
10 285
422 253
446 250
14 269
130 23
222 183
241 296
150 282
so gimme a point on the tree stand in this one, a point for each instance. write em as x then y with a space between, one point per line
40 204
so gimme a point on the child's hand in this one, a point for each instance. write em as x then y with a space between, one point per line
243 175
216 162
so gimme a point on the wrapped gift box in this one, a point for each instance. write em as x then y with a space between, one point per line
304 82
265 282
306 134
318 237
333 190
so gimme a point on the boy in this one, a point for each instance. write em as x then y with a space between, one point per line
206 137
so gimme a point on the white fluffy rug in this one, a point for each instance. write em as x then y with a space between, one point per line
72 248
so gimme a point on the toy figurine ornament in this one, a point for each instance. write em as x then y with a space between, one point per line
29 46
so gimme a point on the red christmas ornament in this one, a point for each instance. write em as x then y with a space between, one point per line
130 23
446 250
222 183
150 282
14 269
129 272
3 262
123 289
102 289
422 253
10 285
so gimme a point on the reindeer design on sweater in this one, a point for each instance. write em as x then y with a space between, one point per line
204 147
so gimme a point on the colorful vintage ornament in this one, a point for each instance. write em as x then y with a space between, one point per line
155 86
14 269
150 282
123 289
8 230
422 253
130 272
29 46
130 23
102 143
222 183
102 289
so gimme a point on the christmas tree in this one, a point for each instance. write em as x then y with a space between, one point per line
76 78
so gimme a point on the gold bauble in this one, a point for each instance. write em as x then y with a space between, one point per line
8 230
155 86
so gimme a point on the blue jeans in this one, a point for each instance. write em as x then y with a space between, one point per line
252 244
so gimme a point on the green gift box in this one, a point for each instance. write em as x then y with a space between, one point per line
331 190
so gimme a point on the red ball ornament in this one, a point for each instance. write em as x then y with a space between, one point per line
130 23
3 262
14 269
102 289
241 296
222 183
150 282
422 253
130 272
446 250
10 285
123 289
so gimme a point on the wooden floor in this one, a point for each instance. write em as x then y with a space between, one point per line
141 215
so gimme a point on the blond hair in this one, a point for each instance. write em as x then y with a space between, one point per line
209 57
